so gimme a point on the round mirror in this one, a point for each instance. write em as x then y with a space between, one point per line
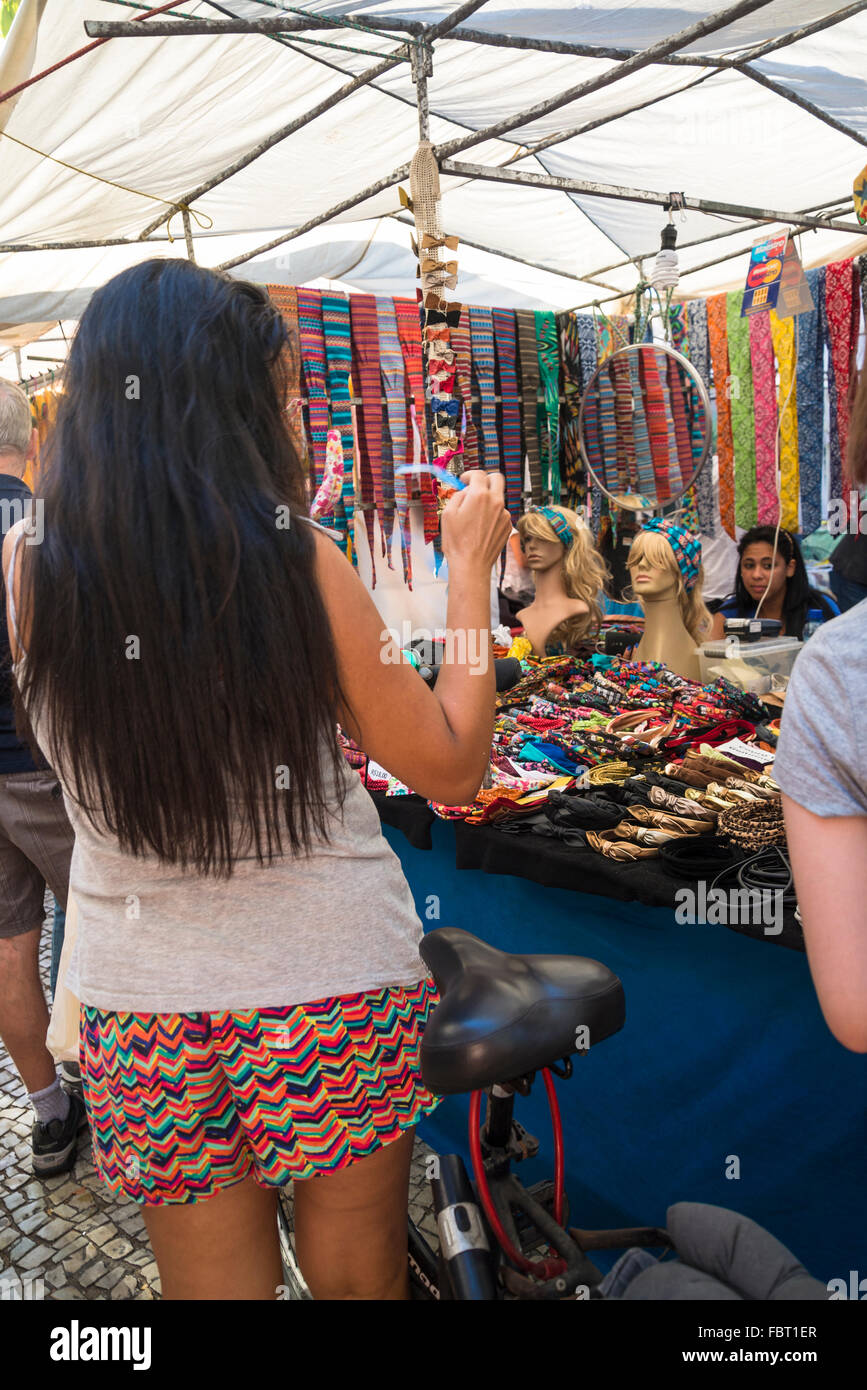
644 426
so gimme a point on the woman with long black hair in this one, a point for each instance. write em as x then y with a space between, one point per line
776 577
187 642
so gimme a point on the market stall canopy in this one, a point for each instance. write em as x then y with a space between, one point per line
755 105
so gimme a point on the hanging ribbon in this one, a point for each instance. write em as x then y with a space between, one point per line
765 410
505 341
643 456
549 411
365 354
783 335
285 299
464 388
394 389
627 472
313 361
338 359
530 380
482 344
409 332
607 409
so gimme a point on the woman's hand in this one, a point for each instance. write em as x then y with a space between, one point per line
475 523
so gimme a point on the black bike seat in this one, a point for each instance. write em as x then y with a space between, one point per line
502 1016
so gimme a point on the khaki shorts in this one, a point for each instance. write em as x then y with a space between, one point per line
36 842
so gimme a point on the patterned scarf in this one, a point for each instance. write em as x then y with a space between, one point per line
571 464
764 379
743 414
809 375
365 355
409 332
783 335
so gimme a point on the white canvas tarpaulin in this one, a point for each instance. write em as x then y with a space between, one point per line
114 142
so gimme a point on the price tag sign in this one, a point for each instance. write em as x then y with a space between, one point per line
795 294
764 275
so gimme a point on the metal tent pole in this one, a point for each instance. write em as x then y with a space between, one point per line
638 195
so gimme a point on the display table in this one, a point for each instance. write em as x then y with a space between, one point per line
724 1066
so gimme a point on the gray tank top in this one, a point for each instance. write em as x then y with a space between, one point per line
153 938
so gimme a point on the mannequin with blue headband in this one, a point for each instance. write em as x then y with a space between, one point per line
666 575
568 574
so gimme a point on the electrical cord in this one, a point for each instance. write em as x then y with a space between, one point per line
768 870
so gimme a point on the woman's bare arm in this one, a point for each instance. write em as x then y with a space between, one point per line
437 741
829 862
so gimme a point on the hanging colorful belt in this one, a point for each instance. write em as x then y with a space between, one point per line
742 409
530 380
549 412
698 352
338 361
593 436
313 360
285 298
505 340
627 472
717 324
643 456
657 423
570 451
409 332
394 387
783 336
365 352
809 378
764 383
482 343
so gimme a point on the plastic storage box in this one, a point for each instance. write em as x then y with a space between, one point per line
750 665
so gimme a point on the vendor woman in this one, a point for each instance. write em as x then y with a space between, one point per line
781 578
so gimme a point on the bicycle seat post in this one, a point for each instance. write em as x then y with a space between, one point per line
497 1132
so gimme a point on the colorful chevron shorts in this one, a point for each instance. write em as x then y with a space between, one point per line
182 1105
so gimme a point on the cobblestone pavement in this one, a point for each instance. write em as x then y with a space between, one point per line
69 1237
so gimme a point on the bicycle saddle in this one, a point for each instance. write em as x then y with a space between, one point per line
503 1015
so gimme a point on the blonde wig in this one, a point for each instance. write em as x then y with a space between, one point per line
652 546
583 570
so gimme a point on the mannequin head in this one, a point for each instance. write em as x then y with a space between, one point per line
657 577
581 567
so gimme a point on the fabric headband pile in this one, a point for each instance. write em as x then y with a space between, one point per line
558 522
685 546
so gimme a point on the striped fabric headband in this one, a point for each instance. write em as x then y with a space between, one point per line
558 522
685 546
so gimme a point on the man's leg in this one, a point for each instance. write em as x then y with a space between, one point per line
57 935
35 846
23 1011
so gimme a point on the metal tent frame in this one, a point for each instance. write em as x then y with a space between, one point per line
416 43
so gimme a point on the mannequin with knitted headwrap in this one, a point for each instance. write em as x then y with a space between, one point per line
666 574
569 575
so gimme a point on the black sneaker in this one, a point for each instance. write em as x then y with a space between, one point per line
54 1143
70 1076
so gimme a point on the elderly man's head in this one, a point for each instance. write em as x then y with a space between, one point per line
17 435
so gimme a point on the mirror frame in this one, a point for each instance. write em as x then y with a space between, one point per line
704 396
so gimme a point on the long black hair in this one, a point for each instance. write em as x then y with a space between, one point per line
799 597
178 645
